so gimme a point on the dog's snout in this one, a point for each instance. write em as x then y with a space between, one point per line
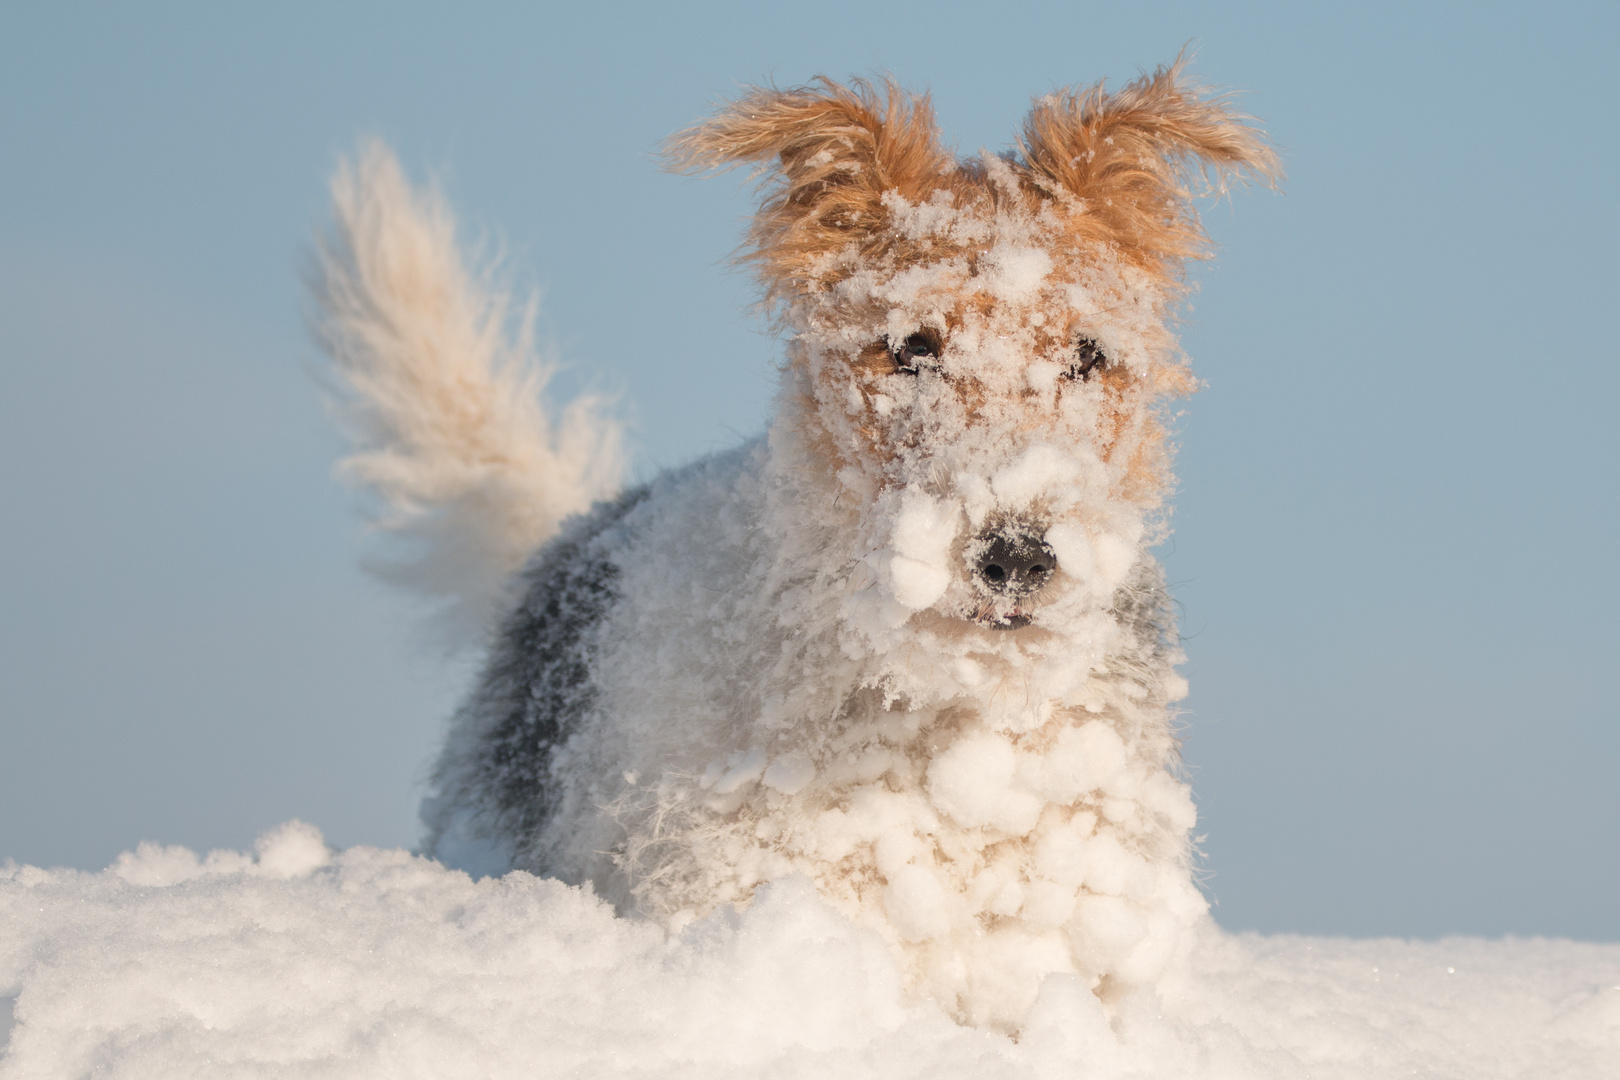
1015 563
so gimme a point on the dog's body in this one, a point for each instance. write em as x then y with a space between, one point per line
909 643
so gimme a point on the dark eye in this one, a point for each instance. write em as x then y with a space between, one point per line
915 350
1086 359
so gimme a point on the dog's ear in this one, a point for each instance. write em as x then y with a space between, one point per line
830 153
1135 159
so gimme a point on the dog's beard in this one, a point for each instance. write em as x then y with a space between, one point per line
1002 616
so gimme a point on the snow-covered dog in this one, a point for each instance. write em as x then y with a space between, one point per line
910 643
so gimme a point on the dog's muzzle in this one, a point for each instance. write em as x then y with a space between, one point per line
1013 563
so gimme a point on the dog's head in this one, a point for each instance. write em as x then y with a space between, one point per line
980 347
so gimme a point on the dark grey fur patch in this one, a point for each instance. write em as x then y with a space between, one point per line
537 685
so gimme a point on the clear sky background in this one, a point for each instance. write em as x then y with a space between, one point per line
1396 541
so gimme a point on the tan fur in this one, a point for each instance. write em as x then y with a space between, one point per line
1122 164
836 150
1131 157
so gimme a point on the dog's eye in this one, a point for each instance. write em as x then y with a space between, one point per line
1088 357
913 352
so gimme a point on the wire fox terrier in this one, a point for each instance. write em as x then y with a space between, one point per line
910 643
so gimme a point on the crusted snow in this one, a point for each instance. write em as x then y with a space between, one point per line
297 961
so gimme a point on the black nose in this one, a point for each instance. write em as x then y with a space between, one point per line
1015 562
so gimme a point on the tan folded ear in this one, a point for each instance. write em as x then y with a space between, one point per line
830 152
1135 160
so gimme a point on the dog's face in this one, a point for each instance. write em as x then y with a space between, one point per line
980 347
991 407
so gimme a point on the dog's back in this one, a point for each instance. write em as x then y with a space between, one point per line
495 787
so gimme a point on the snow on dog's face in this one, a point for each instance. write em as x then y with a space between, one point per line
979 348
991 407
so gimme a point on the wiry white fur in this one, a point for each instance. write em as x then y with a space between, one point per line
784 659
768 663
442 400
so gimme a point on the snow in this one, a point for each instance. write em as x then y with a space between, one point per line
298 961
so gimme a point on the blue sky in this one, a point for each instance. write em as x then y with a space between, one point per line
1395 544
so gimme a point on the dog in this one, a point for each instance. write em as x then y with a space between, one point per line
911 642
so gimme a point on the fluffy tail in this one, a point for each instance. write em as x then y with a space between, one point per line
440 392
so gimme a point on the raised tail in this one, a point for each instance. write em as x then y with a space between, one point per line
440 392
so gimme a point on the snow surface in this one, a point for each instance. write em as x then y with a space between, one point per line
297 961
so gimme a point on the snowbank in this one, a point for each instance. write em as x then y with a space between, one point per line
302 962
